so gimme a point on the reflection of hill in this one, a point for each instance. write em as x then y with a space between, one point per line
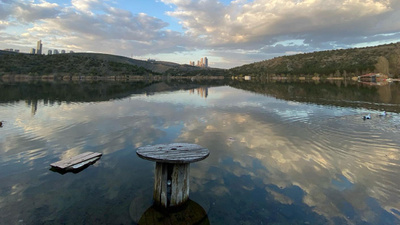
330 93
90 92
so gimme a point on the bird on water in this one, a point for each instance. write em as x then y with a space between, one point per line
367 117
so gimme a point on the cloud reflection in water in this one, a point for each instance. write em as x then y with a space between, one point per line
271 160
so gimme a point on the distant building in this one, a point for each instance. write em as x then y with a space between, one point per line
16 50
62 51
203 62
33 51
56 52
71 51
49 52
39 47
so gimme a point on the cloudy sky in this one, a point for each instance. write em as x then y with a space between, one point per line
229 33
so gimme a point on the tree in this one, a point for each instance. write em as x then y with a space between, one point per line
382 66
337 73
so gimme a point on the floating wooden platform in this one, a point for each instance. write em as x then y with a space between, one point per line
78 161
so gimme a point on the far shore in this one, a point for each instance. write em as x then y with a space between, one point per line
293 78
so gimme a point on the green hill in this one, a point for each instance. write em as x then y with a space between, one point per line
84 64
333 63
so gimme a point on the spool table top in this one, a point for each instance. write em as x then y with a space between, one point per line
173 153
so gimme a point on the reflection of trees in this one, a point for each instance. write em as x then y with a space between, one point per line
68 91
336 93
91 91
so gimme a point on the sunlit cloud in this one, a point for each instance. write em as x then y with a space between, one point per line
232 33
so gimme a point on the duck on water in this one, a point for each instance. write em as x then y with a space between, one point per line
367 117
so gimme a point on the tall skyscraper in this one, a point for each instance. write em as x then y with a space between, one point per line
33 51
203 62
39 47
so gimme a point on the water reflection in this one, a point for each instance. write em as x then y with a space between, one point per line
279 154
190 213
334 92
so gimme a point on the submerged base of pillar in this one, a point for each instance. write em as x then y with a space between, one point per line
191 213
171 184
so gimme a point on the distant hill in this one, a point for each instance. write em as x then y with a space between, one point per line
86 64
333 63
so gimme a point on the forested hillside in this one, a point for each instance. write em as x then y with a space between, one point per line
61 64
85 64
333 63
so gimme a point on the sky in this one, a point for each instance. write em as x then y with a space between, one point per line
228 33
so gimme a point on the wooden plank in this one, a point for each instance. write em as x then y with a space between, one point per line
180 184
160 184
79 159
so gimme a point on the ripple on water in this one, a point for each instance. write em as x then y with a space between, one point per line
39 141
360 141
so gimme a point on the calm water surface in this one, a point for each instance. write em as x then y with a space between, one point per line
280 153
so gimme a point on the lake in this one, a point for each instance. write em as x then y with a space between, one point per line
281 152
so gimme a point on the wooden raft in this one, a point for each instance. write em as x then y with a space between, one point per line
171 179
78 161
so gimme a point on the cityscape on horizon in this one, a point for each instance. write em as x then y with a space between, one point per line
39 50
203 62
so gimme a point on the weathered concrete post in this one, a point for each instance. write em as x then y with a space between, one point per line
171 179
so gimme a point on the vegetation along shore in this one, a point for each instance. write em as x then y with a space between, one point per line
333 64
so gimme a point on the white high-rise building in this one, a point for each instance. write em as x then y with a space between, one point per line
39 47
33 51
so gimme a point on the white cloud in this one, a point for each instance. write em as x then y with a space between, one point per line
250 30
95 26
85 5
32 12
261 20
